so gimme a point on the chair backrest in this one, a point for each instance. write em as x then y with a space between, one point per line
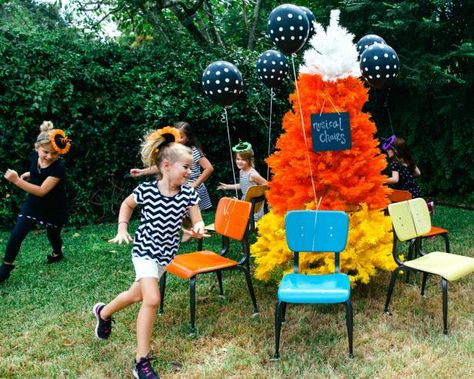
399 195
256 196
410 219
316 231
232 217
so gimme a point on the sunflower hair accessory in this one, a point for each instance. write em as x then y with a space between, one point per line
241 146
169 134
388 143
59 141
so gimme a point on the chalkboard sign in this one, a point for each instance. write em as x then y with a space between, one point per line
331 131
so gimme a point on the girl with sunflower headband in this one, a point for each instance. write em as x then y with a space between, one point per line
201 170
46 203
248 176
163 202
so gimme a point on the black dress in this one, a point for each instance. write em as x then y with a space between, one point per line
51 209
406 179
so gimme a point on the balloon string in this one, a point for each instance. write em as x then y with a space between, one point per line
304 131
388 113
230 150
270 132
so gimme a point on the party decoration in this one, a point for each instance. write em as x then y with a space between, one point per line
349 180
311 20
59 141
222 82
379 65
367 41
272 68
288 28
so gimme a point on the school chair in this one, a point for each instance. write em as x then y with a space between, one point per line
401 195
411 220
256 196
231 222
435 231
314 232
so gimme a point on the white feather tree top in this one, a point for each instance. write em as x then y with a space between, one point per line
332 54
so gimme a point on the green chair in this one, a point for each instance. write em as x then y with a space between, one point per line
411 220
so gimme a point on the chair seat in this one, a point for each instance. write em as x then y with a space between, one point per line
188 265
449 266
435 231
314 289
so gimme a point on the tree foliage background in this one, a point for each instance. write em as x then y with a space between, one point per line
107 93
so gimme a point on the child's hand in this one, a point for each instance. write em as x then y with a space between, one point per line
122 236
25 176
222 186
11 176
136 172
198 231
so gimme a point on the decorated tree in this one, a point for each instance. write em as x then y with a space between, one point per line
333 163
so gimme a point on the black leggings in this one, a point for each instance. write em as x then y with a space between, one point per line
20 231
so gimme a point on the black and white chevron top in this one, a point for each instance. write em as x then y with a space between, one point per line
157 237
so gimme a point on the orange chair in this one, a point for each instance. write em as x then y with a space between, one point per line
231 222
256 196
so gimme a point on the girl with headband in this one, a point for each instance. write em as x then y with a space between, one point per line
46 204
163 202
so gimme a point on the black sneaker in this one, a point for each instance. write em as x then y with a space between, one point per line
143 370
5 271
103 328
53 258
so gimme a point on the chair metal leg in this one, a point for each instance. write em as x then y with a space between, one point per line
423 283
390 288
278 320
444 289
446 242
250 286
411 255
192 302
219 279
283 312
349 323
162 292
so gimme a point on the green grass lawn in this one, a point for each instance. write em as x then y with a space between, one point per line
47 327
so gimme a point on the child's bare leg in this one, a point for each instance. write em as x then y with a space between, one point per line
123 300
150 293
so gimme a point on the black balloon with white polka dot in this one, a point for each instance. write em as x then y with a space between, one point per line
222 82
288 28
366 41
272 68
311 20
379 65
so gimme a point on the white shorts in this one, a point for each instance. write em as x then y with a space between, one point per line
147 268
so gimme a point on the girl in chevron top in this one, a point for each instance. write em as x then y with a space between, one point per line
163 203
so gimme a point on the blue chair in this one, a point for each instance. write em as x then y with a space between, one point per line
314 232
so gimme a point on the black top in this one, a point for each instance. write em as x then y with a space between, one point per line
406 179
51 208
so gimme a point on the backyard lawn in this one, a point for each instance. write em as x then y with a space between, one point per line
47 328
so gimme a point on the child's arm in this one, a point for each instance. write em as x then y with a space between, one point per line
25 176
198 230
207 170
153 170
40 191
417 171
394 178
224 187
257 178
126 210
